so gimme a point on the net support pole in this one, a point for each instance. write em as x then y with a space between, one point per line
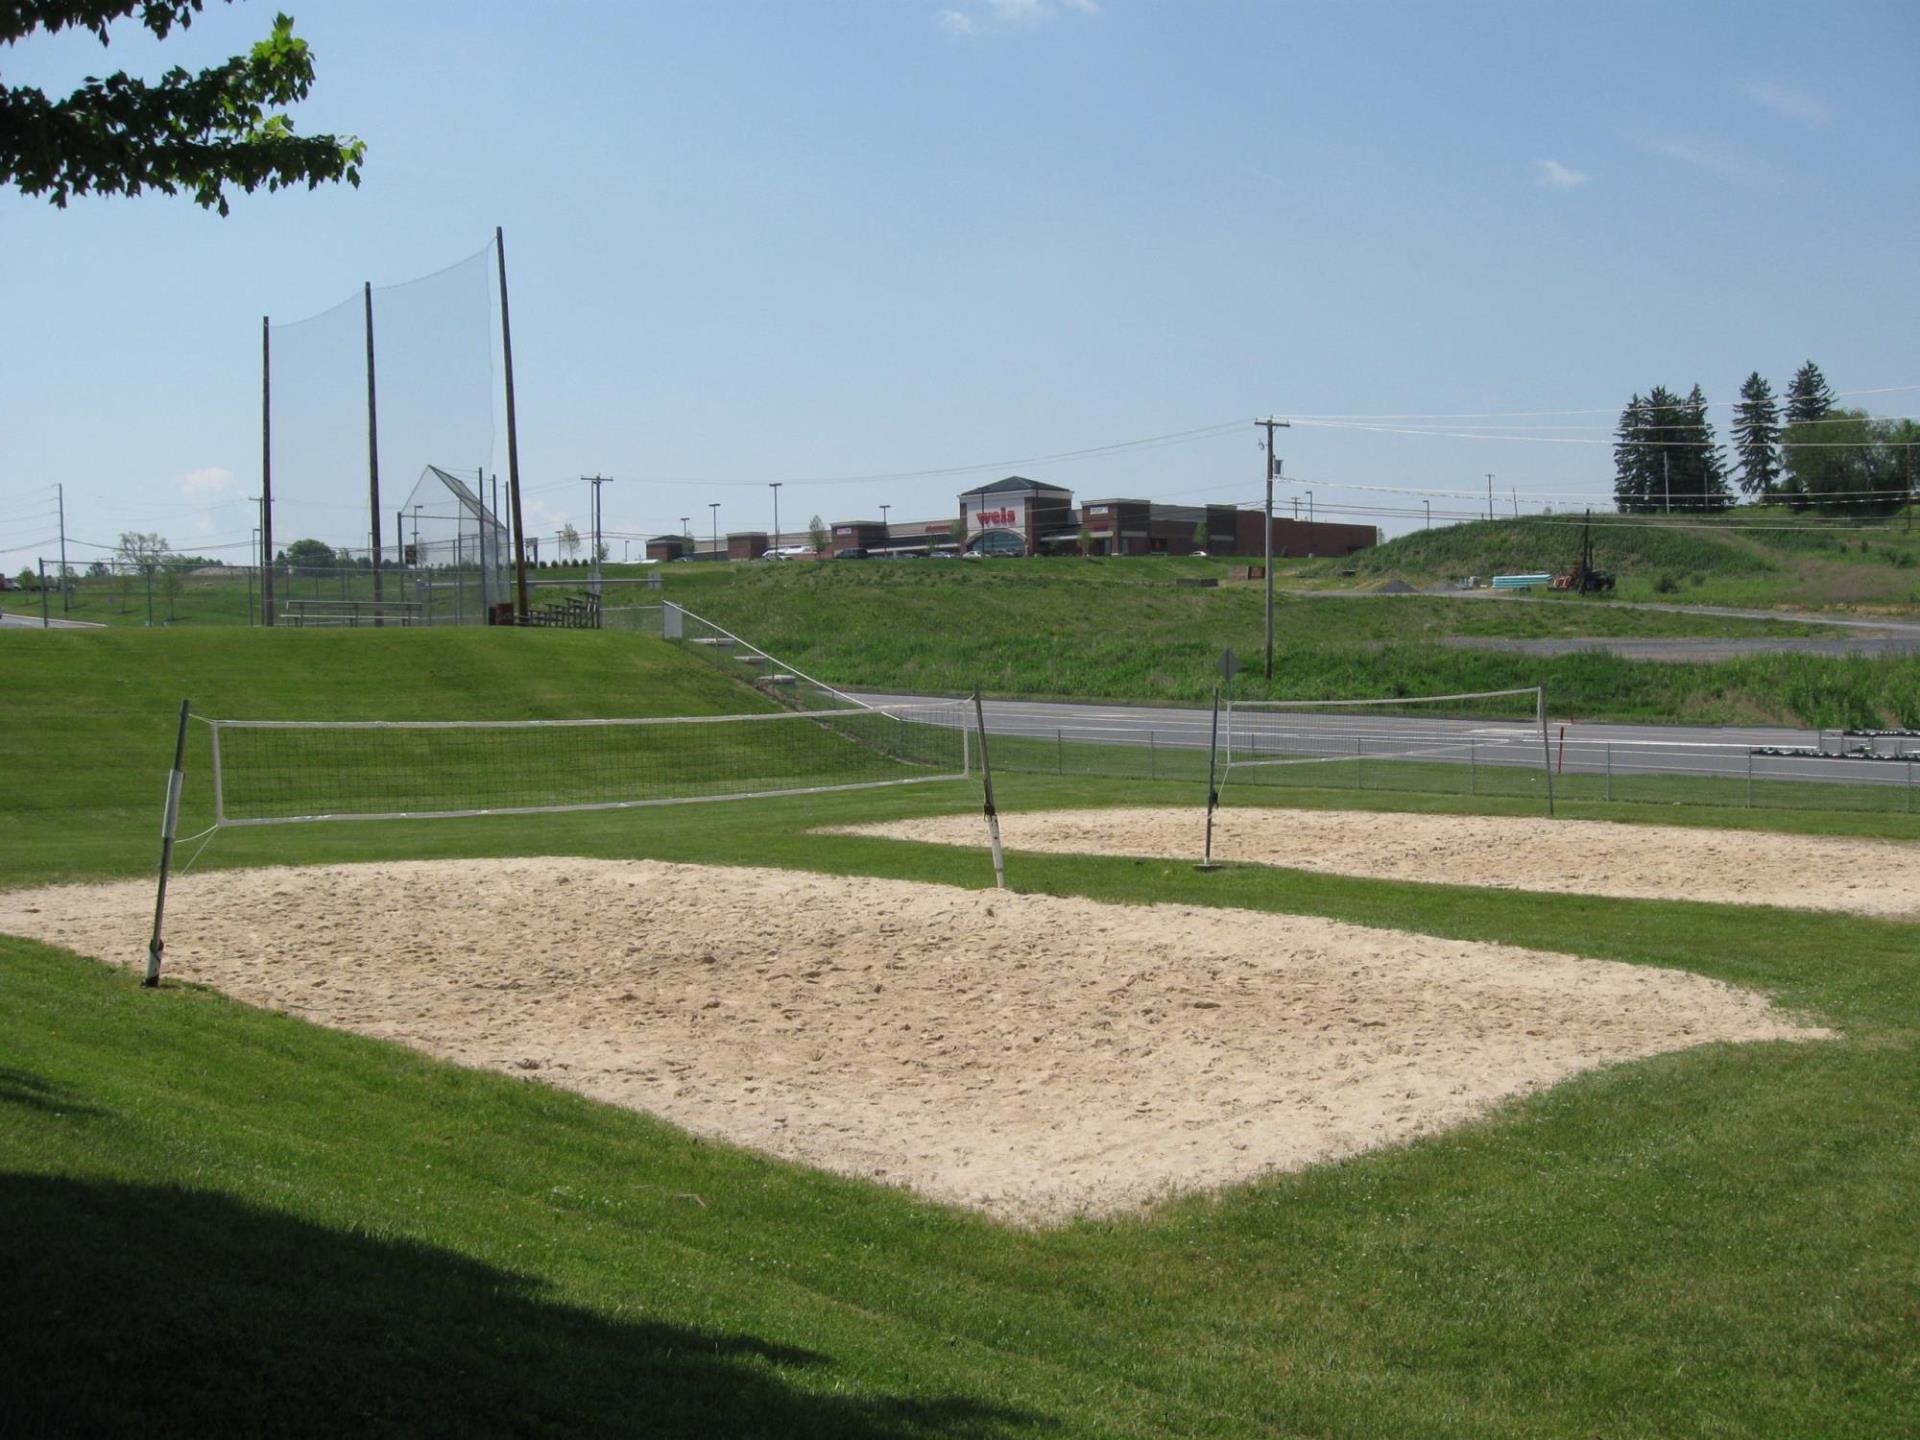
1546 745
169 823
986 782
266 473
373 461
513 436
1213 789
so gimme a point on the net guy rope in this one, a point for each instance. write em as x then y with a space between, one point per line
279 772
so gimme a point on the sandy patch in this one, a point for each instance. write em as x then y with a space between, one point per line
1033 1057
1569 857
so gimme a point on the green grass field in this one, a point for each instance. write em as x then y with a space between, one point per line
218 1219
1126 630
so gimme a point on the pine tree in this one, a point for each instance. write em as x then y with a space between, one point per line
1756 436
1630 452
1809 397
1700 465
1663 459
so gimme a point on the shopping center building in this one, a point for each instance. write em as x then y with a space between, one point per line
1018 516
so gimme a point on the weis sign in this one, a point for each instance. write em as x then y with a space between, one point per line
997 517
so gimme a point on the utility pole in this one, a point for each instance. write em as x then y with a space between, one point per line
883 521
1429 507
714 505
1666 482
1489 496
774 485
1273 468
1516 502
1309 507
596 481
66 590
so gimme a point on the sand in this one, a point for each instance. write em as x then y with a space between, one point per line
1032 1057
1880 878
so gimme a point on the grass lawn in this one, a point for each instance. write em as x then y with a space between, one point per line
1127 629
218 1219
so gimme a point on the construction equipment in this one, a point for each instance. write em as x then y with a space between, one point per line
1584 578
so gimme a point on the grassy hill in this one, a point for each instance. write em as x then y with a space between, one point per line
1765 558
1129 630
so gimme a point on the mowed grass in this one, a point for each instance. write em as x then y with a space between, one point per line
1127 629
218 1219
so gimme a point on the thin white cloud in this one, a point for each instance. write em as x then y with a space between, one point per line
208 480
1701 158
1799 106
1008 14
1556 176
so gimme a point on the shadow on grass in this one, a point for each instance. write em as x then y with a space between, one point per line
155 1310
34 1092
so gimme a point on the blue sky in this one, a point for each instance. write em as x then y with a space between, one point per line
768 240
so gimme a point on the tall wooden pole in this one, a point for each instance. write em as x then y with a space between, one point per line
266 474
1273 469
373 455
513 434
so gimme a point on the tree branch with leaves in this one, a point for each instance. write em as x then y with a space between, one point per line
197 132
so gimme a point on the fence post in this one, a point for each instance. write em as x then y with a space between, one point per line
1153 759
1749 779
1473 766
1059 753
1609 770
1359 775
1909 787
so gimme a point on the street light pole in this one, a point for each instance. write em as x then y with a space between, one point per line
714 505
1273 469
1309 507
774 485
1489 496
1429 507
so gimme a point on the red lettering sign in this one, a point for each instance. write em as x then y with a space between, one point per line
997 517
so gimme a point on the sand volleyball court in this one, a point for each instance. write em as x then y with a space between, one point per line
1033 1057
1880 878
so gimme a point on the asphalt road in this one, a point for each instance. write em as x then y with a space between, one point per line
1576 748
20 619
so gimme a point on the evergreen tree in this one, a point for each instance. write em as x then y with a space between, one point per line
1631 450
1665 456
1756 436
1699 464
1809 397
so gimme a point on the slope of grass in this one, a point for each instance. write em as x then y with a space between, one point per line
1126 631
88 718
1761 557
